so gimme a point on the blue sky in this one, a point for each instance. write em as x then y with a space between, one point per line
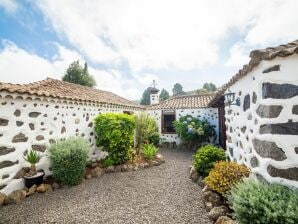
129 43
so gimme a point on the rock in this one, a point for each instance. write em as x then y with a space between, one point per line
201 181
160 157
3 122
17 113
19 138
97 172
135 168
206 188
55 185
289 128
155 163
271 111
15 197
6 150
94 165
254 97
41 188
7 163
39 148
2 198
194 175
279 91
88 176
48 187
212 199
146 165
289 173
216 212
21 173
225 220
110 169
268 149
124 168
34 114
141 166
32 190
295 109
129 167
118 168
246 102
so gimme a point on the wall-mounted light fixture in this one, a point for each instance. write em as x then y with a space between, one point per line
230 99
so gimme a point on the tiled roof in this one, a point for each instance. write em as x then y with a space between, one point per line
256 57
65 90
184 102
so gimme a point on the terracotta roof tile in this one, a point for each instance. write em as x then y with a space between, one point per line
183 102
65 90
256 57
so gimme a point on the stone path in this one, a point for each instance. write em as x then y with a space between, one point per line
161 194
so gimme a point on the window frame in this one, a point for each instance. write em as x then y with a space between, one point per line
163 113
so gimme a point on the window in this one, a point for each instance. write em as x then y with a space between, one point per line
168 117
128 112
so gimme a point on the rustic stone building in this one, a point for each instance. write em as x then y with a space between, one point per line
167 111
262 124
34 115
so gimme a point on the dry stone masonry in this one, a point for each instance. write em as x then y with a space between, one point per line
262 132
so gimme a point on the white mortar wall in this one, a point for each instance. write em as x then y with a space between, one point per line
211 114
77 120
237 119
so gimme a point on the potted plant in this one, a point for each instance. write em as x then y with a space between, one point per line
33 177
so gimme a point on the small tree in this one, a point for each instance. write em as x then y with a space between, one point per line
146 97
178 90
79 75
209 86
164 95
146 130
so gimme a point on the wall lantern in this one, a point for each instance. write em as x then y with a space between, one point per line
230 99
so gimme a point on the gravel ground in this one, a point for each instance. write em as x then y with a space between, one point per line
161 194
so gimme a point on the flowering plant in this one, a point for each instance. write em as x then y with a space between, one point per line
193 130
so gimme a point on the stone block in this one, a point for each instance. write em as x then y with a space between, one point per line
271 111
289 128
19 138
289 173
279 91
268 149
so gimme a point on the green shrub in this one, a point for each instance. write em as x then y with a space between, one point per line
205 158
225 175
149 151
257 202
115 133
146 131
193 130
68 160
108 162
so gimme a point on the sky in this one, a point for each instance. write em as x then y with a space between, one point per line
129 43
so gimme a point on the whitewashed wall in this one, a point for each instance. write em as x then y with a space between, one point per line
35 123
265 136
211 114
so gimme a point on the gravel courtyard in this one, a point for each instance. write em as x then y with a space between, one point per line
161 194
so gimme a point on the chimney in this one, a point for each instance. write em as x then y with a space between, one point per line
154 97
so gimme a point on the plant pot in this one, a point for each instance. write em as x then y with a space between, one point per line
36 179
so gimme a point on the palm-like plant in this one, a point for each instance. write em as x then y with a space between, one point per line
32 157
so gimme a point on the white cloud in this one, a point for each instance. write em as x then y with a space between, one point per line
10 6
238 56
181 34
20 66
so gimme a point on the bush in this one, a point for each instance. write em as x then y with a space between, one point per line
108 162
146 130
149 151
115 133
205 158
257 202
68 160
226 175
193 130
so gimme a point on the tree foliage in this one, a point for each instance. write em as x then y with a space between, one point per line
207 88
146 97
178 90
164 95
75 73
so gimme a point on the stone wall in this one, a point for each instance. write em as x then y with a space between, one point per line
211 114
262 132
28 122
